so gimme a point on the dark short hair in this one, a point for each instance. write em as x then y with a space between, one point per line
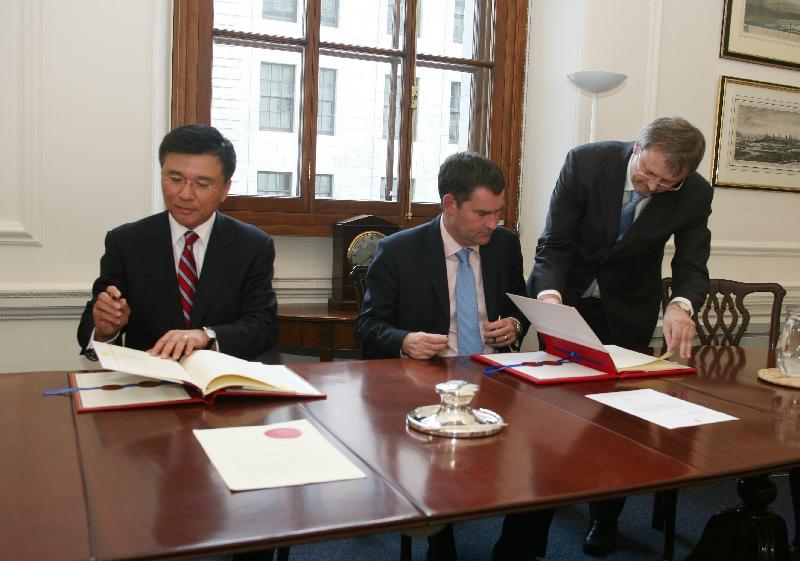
200 139
462 172
681 142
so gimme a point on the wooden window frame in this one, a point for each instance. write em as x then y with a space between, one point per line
193 38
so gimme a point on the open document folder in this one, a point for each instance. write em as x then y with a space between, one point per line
572 352
139 379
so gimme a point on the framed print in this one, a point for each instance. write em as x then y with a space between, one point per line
757 136
762 31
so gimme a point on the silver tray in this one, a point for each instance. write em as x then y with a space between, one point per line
424 420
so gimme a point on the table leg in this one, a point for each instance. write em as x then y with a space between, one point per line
749 532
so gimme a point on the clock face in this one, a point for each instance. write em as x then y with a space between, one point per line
362 249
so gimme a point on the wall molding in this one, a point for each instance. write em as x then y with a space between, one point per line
747 249
650 109
27 229
44 303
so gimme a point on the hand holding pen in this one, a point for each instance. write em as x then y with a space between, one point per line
110 313
500 333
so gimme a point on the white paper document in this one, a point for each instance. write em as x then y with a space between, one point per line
661 409
277 455
557 320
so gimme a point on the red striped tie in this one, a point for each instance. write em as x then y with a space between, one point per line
187 277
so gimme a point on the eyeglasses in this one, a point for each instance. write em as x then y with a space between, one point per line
650 178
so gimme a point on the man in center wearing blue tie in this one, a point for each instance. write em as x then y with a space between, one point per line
439 289
614 207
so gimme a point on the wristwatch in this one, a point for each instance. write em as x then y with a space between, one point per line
212 337
517 324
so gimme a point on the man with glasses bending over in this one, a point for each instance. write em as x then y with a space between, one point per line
614 207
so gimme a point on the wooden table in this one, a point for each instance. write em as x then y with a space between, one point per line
317 328
43 514
148 490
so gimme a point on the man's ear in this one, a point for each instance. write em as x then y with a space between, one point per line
449 203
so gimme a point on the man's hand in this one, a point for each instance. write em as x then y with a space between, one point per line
500 333
423 345
678 330
179 343
110 313
550 298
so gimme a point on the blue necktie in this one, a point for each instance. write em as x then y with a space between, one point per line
467 322
628 212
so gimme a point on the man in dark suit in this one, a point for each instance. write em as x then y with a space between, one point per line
224 298
614 207
416 306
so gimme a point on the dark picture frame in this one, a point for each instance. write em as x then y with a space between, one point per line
762 32
757 136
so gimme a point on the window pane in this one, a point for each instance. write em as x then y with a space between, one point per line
366 23
285 10
449 29
269 17
324 186
274 183
357 154
329 13
451 117
326 104
256 103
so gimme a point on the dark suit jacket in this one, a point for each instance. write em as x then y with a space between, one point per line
577 244
407 287
234 293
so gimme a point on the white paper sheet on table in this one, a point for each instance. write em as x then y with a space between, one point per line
277 455
661 409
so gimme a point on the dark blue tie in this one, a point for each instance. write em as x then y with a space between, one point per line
467 322
628 212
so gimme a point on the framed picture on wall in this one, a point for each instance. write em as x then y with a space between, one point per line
757 136
762 31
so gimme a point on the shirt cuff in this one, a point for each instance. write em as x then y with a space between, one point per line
683 303
546 292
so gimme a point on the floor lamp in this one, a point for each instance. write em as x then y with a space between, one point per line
595 81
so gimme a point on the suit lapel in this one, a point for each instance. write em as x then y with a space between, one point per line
161 266
218 262
658 208
432 258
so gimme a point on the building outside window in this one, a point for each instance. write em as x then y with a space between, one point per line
274 183
277 97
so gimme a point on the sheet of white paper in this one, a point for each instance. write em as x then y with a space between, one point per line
124 396
545 372
114 357
557 320
277 455
661 409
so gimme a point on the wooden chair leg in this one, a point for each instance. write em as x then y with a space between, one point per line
283 554
657 516
405 547
669 506
794 485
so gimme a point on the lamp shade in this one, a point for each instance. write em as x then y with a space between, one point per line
596 81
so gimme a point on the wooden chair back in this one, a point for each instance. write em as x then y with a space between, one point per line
724 318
